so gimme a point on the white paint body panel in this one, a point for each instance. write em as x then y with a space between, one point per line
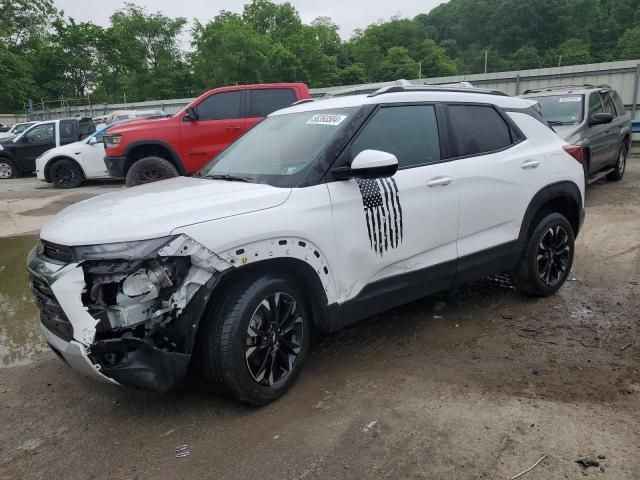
90 157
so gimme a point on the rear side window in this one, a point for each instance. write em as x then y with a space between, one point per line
265 101
87 127
66 131
409 132
220 106
478 129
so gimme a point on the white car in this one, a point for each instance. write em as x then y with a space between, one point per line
324 213
15 130
69 165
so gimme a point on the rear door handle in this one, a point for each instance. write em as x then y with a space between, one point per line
439 182
528 164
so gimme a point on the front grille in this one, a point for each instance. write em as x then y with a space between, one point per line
51 314
57 252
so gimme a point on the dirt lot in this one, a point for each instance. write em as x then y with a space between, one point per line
478 382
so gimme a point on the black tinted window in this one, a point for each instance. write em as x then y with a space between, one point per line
219 106
265 101
66 130
410 133
478 129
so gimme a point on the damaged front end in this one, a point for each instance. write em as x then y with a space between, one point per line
145 300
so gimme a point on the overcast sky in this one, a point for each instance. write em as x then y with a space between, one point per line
348 14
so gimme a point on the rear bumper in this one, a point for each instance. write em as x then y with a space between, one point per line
116 166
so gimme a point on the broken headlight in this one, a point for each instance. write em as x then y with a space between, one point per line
125 250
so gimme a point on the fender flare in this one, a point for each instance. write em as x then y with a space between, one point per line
559 190
175 158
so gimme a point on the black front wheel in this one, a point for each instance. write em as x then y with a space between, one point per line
621 164
66 173
547 258
7 169
253 345
150 169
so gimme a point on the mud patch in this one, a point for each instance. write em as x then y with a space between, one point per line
20 339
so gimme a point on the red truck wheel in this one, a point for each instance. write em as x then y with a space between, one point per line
150 169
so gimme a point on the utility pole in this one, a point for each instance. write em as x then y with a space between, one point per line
124 93
560 61
419 69
486 57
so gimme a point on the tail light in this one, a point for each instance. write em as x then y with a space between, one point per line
576 152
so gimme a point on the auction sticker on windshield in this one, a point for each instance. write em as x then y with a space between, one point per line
331 119
570 99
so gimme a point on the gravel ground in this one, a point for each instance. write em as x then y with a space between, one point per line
476 383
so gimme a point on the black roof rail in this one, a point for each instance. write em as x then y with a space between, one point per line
434 88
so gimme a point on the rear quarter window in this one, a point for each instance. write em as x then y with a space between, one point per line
267 100
478 129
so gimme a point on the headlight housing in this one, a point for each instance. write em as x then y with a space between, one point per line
112 141
137 250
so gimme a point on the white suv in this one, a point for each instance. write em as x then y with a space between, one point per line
324 213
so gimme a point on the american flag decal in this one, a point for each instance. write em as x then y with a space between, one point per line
383 213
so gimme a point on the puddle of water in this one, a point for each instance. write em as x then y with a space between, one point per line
20 338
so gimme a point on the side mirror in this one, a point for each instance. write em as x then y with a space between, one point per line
369 164
92 140
190 115
25 139
600 118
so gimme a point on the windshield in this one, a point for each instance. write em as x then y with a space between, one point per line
279 149
561 109
21 127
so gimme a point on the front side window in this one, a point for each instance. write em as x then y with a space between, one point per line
267 100
595 104
279 149
44 133
220 106
409 132
618 103
561 109
608 104
478 129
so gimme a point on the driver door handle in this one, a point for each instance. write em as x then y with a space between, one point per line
235 127
439 182
528 164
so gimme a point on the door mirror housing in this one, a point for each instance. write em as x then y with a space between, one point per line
190 115
600 118
369 164
92 140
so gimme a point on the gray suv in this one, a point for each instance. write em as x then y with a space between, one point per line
592 117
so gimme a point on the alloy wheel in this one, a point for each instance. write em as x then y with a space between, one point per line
552 257
274 339
6 171
64 175
622 160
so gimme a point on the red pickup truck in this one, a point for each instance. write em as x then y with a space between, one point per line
144 151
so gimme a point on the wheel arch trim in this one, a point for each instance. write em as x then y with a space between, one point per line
52 160
175 159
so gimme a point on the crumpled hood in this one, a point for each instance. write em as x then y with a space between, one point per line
154 210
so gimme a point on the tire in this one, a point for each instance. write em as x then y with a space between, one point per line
547 257
621 165
65 173
237 344
7 169
150 169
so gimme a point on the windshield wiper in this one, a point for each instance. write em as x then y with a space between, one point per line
555 122
229 178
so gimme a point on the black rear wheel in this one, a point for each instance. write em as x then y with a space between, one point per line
547 258
148 170
65 173
253 345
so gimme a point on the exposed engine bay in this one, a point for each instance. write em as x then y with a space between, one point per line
147 311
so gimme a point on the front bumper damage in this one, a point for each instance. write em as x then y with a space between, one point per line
129 322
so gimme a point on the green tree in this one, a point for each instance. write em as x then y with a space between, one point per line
398 64
434 60
526 58
574 52
629 45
